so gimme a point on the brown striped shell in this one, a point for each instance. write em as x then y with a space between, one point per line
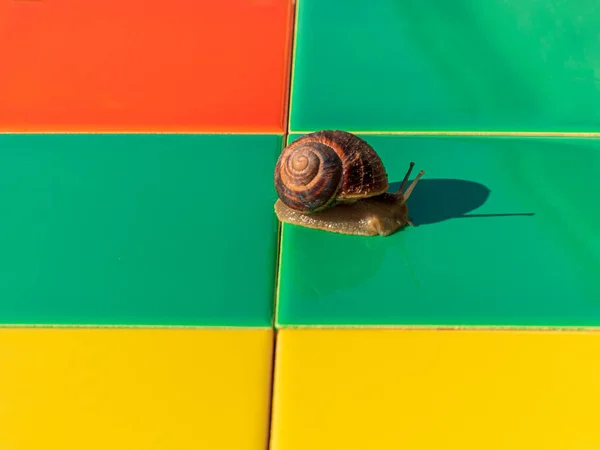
327 167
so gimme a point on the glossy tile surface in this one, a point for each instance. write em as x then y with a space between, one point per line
465 65
137 229
507 233
144 65
358 389
135 389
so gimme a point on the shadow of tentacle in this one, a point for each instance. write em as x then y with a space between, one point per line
439 199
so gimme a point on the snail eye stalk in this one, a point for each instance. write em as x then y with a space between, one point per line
412 164
412 185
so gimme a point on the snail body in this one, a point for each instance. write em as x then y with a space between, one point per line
335 181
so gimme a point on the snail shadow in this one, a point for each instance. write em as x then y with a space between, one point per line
439 199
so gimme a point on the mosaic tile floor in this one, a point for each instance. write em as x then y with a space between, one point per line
150 299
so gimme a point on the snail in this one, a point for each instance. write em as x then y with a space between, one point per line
335 181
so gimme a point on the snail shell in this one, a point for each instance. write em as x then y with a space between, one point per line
327 167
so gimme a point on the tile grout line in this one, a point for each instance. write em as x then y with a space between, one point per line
273 357
118 326
483 328
290 65
469 133
280 231
286 131
146 133
294 43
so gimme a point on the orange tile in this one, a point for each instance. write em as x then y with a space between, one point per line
144 65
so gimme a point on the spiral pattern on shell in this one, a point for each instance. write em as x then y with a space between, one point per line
325 167
308 176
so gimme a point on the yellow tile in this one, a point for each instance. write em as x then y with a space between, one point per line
134 389
382 389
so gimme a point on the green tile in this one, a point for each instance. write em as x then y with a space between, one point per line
471 259
137 229
447 65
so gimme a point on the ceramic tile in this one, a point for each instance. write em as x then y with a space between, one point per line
465 65
506 234
145 65
137 229
384 389
135 389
